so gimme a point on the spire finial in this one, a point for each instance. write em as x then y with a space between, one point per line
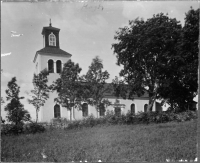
50 23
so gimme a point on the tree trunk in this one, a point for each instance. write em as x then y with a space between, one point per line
97 111
70 114
151 102
36 115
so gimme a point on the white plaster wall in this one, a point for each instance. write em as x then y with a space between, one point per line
139 106
47 111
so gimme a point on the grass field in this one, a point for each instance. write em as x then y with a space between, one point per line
117 143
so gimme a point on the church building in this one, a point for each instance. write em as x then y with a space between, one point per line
52 57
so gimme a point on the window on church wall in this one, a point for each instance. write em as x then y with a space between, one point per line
132 108
145 107
102 109
85 109
52 40
57 111
50 66
117 111
58 66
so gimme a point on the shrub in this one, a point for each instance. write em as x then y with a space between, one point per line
141 117
12 129
6 129
59 120
33 128
74 124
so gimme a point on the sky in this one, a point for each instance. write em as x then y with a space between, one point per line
87 30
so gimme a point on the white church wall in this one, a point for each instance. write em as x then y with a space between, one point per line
48 108
139 105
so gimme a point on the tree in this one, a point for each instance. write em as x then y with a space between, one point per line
95 80
69 87
183 79
41 90
188 49
145 49
16 112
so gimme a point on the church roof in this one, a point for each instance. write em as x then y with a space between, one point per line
111 93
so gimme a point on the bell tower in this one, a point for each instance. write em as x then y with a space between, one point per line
51 36
52 58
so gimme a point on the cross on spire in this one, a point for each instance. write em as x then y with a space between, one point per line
50 23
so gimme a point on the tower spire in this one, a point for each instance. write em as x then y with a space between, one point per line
50 23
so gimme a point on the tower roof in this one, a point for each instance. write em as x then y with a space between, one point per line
49 28
53 51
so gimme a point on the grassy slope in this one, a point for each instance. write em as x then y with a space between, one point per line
156 142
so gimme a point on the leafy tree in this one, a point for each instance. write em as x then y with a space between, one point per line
183 80
69 87
41 90
95 80
188 49
16 112
145 49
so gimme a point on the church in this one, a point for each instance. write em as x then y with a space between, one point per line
52 57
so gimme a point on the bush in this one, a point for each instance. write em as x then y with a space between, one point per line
11 129
59 120
74 124
140 118
6 129
33 128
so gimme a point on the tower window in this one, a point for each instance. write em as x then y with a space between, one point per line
50 66
85 109
58 66
57 111
133 108
52 39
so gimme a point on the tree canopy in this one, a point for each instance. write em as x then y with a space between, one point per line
69 86
161 57
41 90
183 80
16 112
146 49
95 82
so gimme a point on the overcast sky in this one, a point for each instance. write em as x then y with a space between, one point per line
85 32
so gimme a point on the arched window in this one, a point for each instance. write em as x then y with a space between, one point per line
117 111
52 39
85 109
133 108
57 111
145 107
58 66
50 66
102 109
